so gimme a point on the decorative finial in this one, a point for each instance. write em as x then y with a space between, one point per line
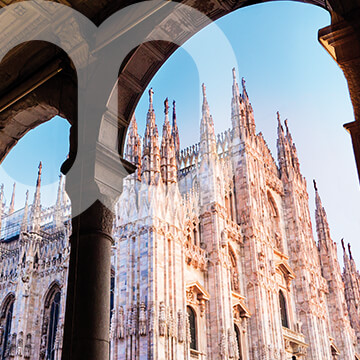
315 186
151 96
349 247
166 106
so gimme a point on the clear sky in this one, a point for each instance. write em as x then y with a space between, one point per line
275 47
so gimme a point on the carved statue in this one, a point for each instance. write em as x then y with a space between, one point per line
234 279
134 321
142 319
121 324
129 322
20 345
181 326
27 350
162 319
172 325
13 345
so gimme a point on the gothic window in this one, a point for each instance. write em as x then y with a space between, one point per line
193 329
50 323
283 310
112 293
6 320
238 341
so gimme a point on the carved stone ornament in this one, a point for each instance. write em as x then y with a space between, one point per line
20 345
224 238
120 324
162 319
27 349
142 320
181 326
13 345
223 347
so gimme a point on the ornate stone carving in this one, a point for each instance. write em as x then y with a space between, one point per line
12 352
27 349
129 322
223 345
142 320
120 324
181 326
162 319
232 344
20 345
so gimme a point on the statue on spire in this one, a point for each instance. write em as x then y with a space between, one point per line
350 254
166 106
151 97
315 186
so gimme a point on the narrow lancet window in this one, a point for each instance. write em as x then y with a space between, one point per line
283 310
192 325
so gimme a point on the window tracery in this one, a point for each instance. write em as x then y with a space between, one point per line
50 323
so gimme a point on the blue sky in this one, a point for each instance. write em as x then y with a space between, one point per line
275 47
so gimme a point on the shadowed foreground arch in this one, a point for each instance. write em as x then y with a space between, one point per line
32 92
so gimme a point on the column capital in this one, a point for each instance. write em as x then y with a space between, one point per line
97 219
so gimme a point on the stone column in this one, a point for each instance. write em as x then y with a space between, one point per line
342 41
87 318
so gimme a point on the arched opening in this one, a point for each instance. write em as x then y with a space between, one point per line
5 325
192 328
283 310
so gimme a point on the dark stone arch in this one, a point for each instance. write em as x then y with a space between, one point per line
40 95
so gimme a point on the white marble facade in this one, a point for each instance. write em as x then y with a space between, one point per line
214 255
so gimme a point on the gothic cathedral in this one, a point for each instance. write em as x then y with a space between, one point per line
213 256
